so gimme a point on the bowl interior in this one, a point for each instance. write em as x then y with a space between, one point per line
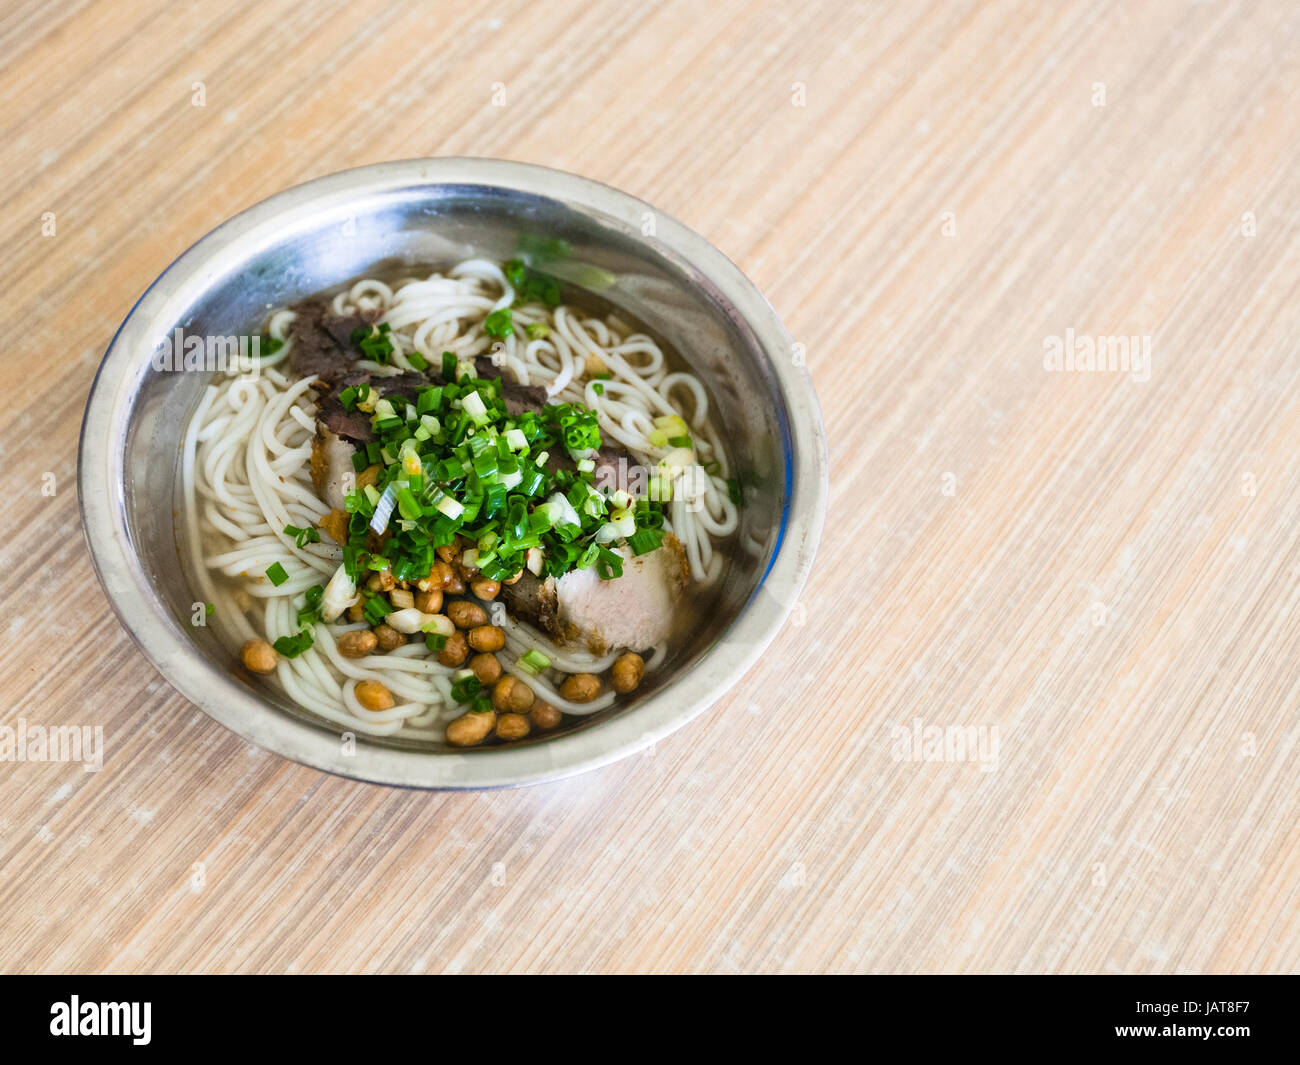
228 283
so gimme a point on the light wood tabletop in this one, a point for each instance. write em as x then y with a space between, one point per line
1037 709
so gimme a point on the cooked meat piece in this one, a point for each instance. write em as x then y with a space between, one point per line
351 424
518 398
634 611
355 424
322 340
532 599
331 461
404 385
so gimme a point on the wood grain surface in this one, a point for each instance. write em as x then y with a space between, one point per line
1095 570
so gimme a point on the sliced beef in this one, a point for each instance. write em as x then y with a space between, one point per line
354 424
635 611
403 385
518 398
322 340
351 424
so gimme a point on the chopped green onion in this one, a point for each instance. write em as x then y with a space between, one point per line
534 660
643 541
277 574
475 407
499 323
293 646
376 609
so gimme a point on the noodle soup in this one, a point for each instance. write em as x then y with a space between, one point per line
453 506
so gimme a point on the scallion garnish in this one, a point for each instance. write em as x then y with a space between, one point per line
534 660
643 541
499 323
293 646
453 460
302 537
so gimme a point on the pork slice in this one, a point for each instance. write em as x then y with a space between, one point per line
331 462
636 611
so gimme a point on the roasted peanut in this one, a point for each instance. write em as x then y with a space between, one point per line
545 716
486 667
449 552
454 586
258 656
439 574
487 638
627 672
510 694
515 579
471 728
429 602
485 589
455 651
357 611
389 638
357 643
581 687
374 696
467 615
512 727
383 581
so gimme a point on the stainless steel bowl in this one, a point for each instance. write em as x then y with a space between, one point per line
437 211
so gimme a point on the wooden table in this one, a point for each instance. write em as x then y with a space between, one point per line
1098 570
